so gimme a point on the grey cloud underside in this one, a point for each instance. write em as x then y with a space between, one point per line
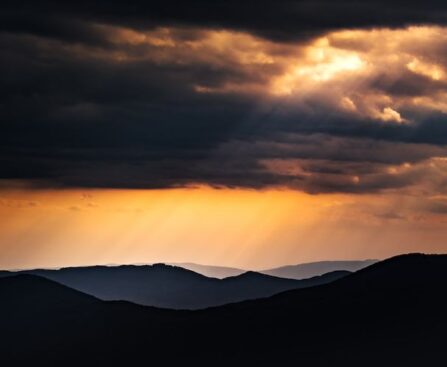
279 20
87 122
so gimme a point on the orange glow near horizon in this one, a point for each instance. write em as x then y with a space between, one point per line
244 228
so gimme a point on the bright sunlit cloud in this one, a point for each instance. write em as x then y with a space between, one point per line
353 70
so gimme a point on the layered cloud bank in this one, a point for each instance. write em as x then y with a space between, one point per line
138 97
308 129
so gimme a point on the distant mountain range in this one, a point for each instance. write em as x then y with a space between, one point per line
391 313
313 269
299 271
211 271
173 287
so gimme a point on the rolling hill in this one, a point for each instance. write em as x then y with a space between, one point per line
211 271
308 270
389 314
173 287
298 271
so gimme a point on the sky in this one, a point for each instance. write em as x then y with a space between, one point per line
249 134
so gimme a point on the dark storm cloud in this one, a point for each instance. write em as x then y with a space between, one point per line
279 20
82 105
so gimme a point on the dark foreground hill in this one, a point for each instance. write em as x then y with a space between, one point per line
173 287
389 314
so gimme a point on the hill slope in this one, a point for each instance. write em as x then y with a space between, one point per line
172 287
389 314
308 270
299 271
211 271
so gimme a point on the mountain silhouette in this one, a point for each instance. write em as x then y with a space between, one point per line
391 313
299 271
173 287
211 271
308 270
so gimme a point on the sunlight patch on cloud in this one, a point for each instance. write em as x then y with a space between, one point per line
390 115
321 63
436 72
387 75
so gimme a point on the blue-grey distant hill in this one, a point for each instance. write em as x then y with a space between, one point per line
298 271
307 270
211 271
